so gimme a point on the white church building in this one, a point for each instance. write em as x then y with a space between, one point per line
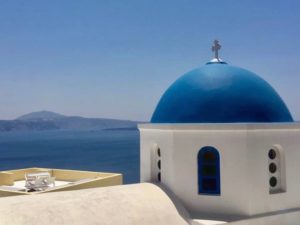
224 142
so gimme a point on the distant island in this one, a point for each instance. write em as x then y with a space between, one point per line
46 120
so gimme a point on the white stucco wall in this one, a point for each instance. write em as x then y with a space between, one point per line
125 205
259 144
244 174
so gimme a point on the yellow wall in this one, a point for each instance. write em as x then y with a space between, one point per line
100 182
20 174
6 178
79 179
71 175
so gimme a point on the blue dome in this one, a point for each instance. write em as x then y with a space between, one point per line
220 93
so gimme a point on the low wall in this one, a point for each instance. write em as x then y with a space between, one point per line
125 204
6 178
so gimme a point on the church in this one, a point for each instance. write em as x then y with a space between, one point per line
221 148
224 142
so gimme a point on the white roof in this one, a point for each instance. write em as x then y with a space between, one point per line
126 204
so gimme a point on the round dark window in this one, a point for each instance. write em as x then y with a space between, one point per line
158 164
272 167
158 177
272 154
158 152
273 181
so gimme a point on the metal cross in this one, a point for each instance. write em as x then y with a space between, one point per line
215 48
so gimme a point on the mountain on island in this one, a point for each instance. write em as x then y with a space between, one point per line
46 120
40 115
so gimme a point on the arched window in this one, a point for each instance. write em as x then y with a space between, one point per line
209 171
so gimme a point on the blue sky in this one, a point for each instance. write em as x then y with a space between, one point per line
115 58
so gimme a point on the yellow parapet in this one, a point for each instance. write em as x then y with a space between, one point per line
6 178
12 182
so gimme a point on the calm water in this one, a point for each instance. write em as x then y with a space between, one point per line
106 151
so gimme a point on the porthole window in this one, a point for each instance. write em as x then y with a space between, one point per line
158 152
209 171
159 177
272 154
155 163
272 167
158 164
276 167
273 181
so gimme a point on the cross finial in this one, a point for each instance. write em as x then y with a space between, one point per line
215 48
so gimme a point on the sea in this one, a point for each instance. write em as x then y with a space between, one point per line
104 151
